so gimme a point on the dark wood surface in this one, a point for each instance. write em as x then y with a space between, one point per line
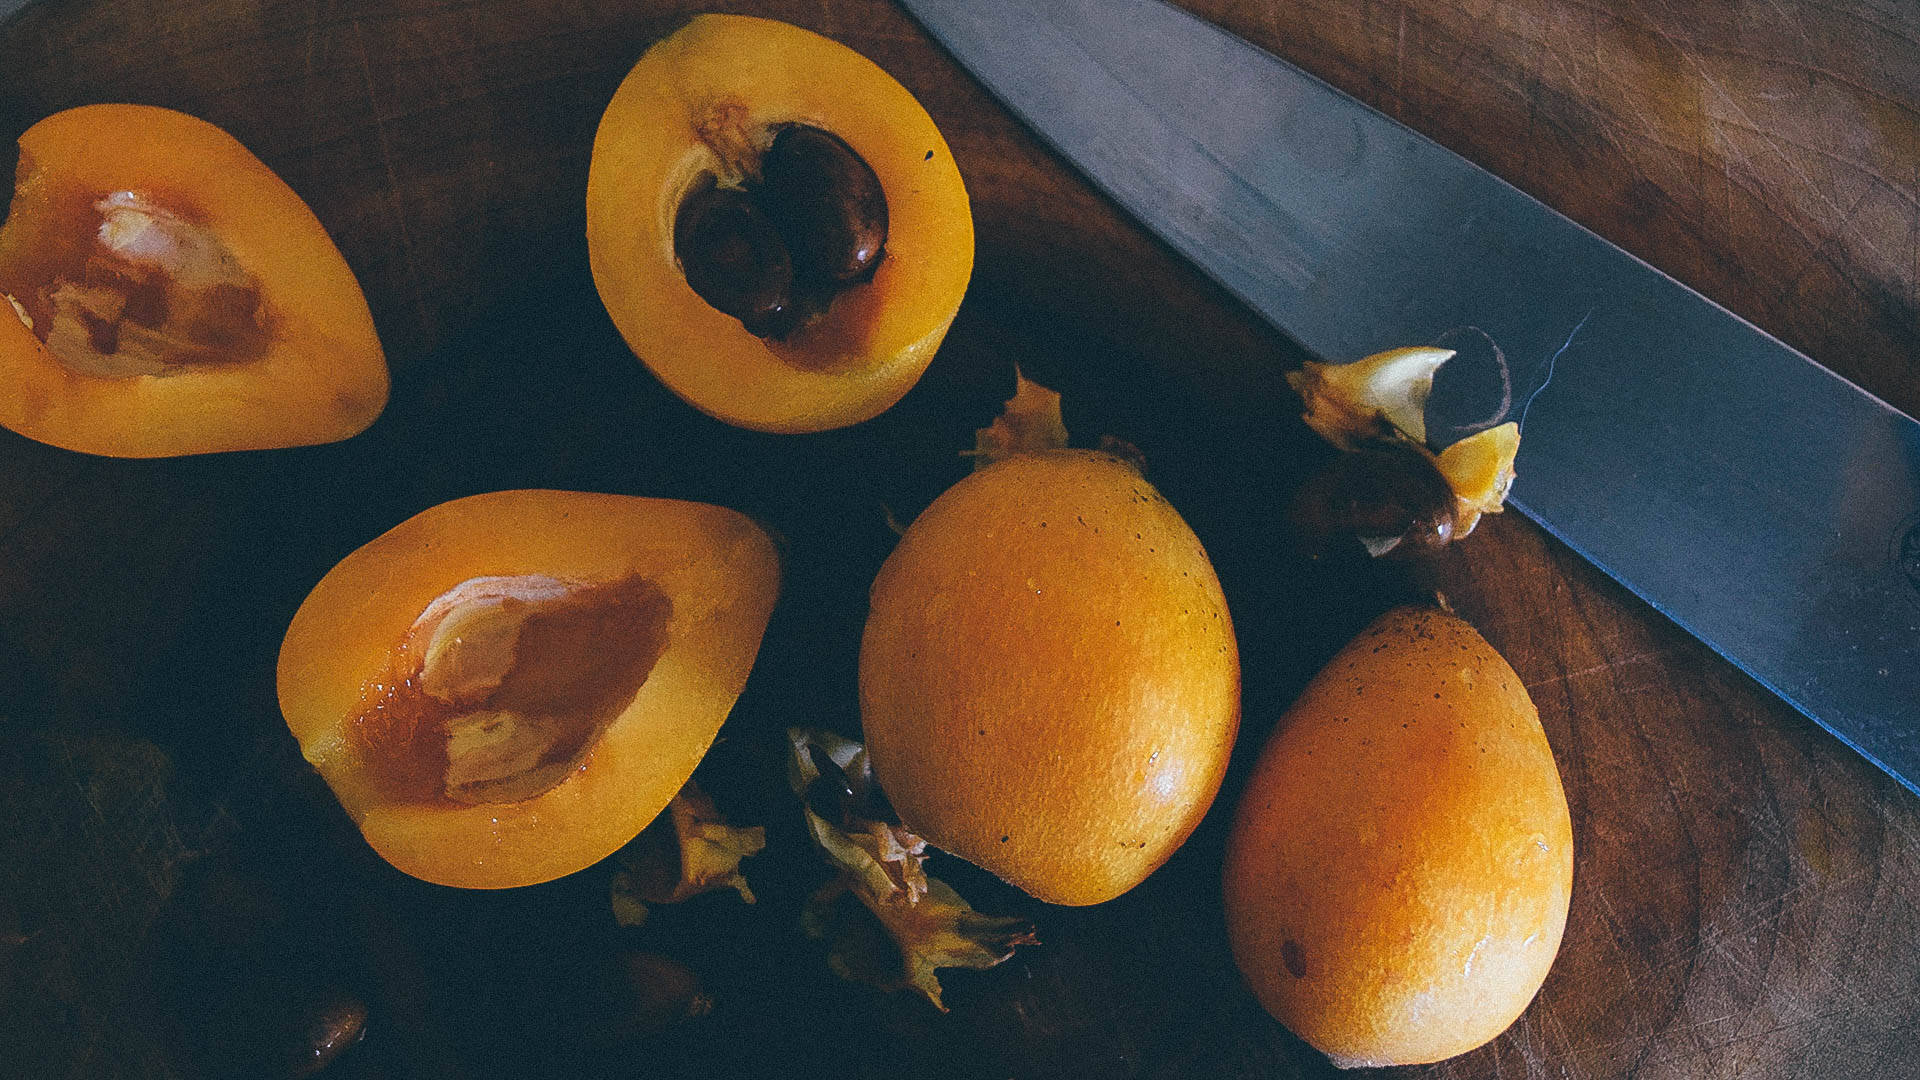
1747 892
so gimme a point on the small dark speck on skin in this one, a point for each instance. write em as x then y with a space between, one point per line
1003 839
929 156
1294 957
983 731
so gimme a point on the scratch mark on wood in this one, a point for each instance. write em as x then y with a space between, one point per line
1768 137
394 196
1400 64
1596 669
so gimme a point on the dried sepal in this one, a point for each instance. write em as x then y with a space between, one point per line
689 850
1479 469
927 926
940 930
1030 421
886 858
1389 489
1369 399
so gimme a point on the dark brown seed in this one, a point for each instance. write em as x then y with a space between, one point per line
735 260
1387 494
831 793
827 203
663 992
326 1029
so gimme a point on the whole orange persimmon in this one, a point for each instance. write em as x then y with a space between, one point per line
1049 681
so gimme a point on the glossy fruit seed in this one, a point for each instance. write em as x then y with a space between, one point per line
829 205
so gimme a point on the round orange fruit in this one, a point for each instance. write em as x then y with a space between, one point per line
1398 874
1049 681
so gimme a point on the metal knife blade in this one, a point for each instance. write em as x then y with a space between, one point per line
1764 503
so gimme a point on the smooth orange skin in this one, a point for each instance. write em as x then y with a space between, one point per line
1049 681
718 569
877 338
1399 871
324 377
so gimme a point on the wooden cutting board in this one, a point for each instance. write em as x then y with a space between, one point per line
1747 897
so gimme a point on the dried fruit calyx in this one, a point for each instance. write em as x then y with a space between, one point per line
1390 487
688 850
790 217
923 925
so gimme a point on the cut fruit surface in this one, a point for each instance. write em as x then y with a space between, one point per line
173 296
506 688
733 112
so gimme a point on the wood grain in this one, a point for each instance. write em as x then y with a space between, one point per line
1747 897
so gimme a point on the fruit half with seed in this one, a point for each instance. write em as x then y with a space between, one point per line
775 225
506 688
168 294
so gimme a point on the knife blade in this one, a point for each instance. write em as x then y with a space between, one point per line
1761 501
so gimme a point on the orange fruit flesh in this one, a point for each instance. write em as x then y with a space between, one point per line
533 740
652 149
170 295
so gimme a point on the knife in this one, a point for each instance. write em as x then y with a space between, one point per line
1761 501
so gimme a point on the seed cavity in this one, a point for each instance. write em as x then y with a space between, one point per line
151 293
790 218
504 683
